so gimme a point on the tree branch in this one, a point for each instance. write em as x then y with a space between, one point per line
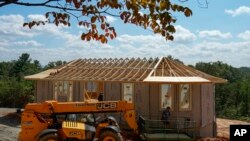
5 2
127 10
34 4
45 4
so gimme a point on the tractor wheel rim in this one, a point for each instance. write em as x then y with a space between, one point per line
108 138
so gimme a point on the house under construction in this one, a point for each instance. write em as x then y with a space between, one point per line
151 84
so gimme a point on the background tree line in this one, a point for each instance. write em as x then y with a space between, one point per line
232 98
15 91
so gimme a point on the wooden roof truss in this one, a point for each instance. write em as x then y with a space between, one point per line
134 69
128 70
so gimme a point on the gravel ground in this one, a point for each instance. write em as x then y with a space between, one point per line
9 124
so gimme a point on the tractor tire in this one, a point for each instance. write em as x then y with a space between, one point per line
49 137
110 136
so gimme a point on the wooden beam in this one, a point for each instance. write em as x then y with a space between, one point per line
112 68
68 74
128 75
156 65
139 70
149 68
102 70
125 71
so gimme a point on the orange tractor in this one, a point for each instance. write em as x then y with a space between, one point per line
70 121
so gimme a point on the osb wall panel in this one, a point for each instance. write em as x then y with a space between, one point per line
207 104
38 91
46 90
141 91
42 90
194 113
81 90
77 95
196 102
112 91
207 131
75 91
50 90
35 100
154 101
207 111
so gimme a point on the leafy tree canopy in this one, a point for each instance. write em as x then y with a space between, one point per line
54 64
232 98
23 66
91 14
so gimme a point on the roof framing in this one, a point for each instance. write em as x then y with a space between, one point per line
128 70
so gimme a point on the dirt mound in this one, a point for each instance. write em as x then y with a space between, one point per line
224 124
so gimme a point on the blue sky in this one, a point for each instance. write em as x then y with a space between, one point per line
220 32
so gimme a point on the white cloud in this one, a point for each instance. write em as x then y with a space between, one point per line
45 55
214 34
183 35
3 42
145 39
11 29
36 17
233 53
51 43
239 11
74 41
143 46
83 27
11 18
206 51
139 46
30 43
244 35
12 25
110 19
